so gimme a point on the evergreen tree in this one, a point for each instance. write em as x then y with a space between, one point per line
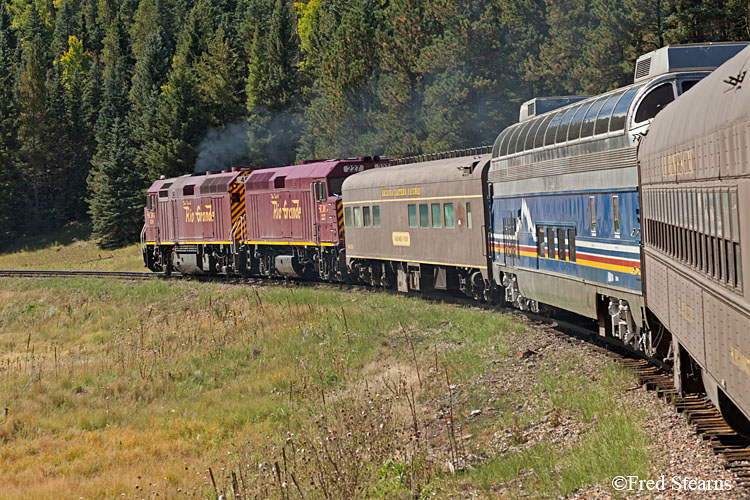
11 201
150 74
220 82
117 190
32 124
65 27
272 91
179 125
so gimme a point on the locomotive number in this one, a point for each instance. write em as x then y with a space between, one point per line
351 169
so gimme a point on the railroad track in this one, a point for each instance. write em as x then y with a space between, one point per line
133 275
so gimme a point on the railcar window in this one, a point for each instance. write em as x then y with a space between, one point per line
468 215
686 85
348 216
539 139
376 216
616 215
552 129
437 219
602 121
499 142
572 244
532 134
574 131
522 136
366 216
619 115
561 244
562 128
450 220
540 242
412 216
424 216
550 243
512 138
357 217
587 127
504 140
592 211
654 102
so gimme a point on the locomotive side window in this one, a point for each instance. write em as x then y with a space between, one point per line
188 190
468 215
348 216
437 219
376 216
592 211
357 217
654 102
412 216
450 220
366 216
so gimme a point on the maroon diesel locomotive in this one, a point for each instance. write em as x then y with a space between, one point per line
285 221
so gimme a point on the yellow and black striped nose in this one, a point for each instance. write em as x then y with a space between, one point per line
237 194
340 218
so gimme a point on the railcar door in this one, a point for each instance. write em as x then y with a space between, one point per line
510 240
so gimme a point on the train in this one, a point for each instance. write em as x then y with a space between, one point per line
624 208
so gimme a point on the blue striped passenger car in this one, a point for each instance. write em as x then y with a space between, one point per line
564 203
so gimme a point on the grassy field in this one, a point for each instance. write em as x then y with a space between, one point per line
70 248
177 389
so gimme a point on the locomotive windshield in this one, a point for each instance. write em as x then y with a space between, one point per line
334 185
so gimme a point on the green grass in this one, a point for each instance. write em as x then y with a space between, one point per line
614 445
113 384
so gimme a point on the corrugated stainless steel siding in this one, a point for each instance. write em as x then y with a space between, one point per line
604 160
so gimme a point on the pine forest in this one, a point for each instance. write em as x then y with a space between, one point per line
100 97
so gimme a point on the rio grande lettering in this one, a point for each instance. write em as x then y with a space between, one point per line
678 163
285 212
394 193
206 215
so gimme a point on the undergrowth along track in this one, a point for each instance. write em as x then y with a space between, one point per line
733 448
